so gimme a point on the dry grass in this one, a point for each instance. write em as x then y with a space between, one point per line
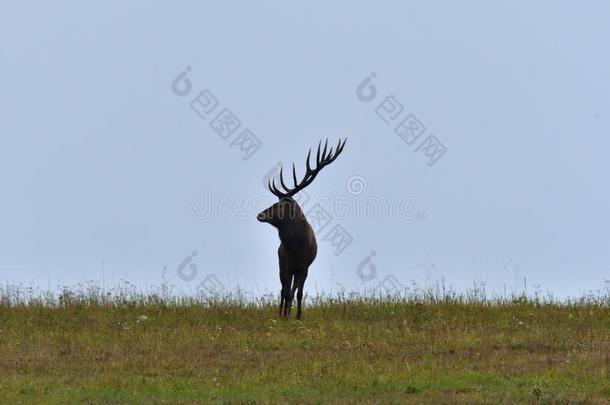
95 347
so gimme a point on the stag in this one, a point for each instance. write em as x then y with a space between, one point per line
298 246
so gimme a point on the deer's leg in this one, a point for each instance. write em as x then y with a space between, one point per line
291 293
286 295
301 284
285 280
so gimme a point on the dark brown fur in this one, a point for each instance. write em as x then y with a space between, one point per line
297 250
298 247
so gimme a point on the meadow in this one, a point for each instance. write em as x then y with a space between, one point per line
89 345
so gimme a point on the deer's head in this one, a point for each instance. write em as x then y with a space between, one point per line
286 210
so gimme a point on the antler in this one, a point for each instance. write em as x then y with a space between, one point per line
322 161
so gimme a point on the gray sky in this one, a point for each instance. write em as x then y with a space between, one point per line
107 173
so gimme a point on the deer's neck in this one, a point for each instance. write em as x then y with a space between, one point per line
295 231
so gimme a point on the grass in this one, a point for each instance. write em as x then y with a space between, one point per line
90 346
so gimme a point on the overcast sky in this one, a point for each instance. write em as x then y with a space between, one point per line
478 140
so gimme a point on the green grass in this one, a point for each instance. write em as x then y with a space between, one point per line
93 347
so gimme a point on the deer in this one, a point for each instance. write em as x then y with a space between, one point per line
298 247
